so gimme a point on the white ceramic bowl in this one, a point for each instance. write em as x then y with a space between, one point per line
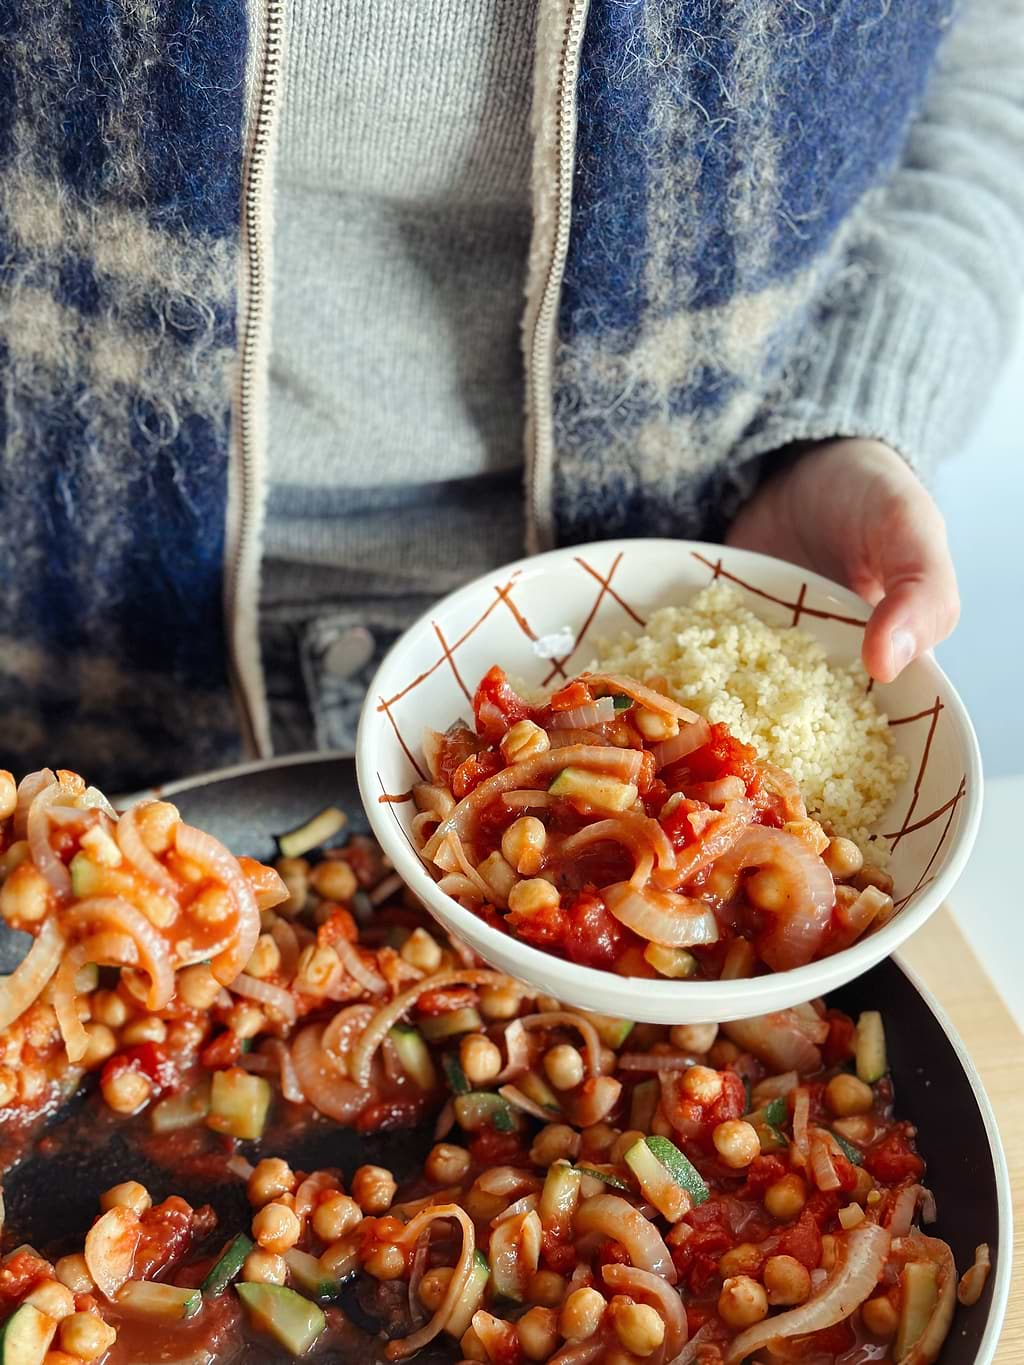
552 607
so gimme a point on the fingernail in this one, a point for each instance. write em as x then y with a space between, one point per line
903 647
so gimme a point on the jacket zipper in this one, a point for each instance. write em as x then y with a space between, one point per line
541 348
243 538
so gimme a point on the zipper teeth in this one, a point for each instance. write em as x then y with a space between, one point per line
255 174
541 350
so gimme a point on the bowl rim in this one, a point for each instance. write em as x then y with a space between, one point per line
775 990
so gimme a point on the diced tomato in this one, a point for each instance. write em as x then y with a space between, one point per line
846 1171
823 1205
697 1258
646 777
802 1240
593 937
446 999
571 696
364 857
839 1045
612 1253
339 924
165 1233
385 1115
892 1159
723 756
457 744
731 1103
697 1314
476 769
677 824
557 1256
223 1052
496 706
655 797
762 1172
491 1148
148 1058
543 928
19 1273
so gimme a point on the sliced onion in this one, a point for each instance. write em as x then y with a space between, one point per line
905 1206
341 1034
132 845
801 1117
528 800
29 978
28 789
656 1061
275 998
445 1121
523 1102
662 916
238 1165
287 942
624 764
718 792
517 1053
568 1019
646 696
776 1039
614 1217
320 1083
581 1352
486 888
356 967
860 1259
698 1339
527 1204
689 738
592 1102
40 848
628 827
389 1015
222 866
115 913
417 1313
722 831
784 786
597 712
822 1169
775 1087
506 1180
110 1246
111 949
409 1345
641 1284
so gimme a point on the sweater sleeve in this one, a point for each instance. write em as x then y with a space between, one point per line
907 354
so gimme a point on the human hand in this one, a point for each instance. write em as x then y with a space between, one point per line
854 511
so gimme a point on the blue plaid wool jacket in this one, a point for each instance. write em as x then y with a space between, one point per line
708 183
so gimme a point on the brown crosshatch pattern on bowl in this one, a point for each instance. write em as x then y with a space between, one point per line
503 596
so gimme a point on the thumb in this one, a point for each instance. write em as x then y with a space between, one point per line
920 603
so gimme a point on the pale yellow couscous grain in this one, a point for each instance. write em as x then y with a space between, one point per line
775 689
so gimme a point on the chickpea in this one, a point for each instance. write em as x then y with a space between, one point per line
276 1227
786 1197
736 1142
654 725
623 1142
499 1002
858 1128
768 889
156 822
483 1206
563 1066
373 1189
245 1020
880 1317
637 1325
497 873
294 872
24 897
421 950
334 880
743 1259
446 1164
524 740
480 1058
334 1216
213 905
723 1052
270 1179
869 875
554 1142
126 1091
148 1029
8 1086
73 1272
434 1286
184 1037
264 1267
86 1335
597 1141
532 896
52 1298
109 1008
742 1302
843 858
265 959
523 844
847 1095
865 1186
8 794
786 1280
547 1288
581 1314
386 1263
538 1333
702 1084
128 1195
472 1347
693 1037
317 964
198 987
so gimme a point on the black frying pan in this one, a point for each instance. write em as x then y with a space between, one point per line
51 1200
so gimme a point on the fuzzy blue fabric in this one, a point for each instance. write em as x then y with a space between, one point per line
120 155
